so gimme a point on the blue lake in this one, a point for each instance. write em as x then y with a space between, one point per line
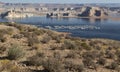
86 28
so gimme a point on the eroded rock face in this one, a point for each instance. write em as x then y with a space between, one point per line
14 14
92 12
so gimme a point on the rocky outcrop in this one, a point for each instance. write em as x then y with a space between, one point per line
92 12
62 14
14 14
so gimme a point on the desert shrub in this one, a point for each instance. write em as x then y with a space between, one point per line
46 39
15 52
57 55
53 65
18 36
25 34
55 36
2 49
101 61
54 47
39 32
89 55
58 39
118 60
9 31
7 66
36 31
2 38
85 46
20 27
68 44
35 60
101 54
71 55
33 39
97 47
89 63
117 53
71 67
78 68
40 54
109 55
92 43
113 66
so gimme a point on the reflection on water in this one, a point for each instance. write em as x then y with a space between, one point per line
94 20
81 27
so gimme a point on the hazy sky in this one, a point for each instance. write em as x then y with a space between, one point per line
61 1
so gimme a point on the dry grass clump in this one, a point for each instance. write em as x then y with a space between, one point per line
15 52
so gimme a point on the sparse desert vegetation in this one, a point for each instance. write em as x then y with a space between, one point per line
25 48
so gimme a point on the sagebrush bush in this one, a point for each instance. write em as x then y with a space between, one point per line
53 65
85 46
15 52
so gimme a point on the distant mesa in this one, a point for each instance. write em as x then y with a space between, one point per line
92 12
85 11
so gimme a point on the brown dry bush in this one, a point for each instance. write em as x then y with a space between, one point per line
46 39
70 66
33 39
68 44
53 65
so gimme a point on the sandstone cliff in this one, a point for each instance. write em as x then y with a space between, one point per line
92 12
15 14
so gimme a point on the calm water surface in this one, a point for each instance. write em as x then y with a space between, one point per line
86 28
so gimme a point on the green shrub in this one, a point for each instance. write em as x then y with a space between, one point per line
15 52
85 46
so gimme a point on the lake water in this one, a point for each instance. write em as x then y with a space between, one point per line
86 28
